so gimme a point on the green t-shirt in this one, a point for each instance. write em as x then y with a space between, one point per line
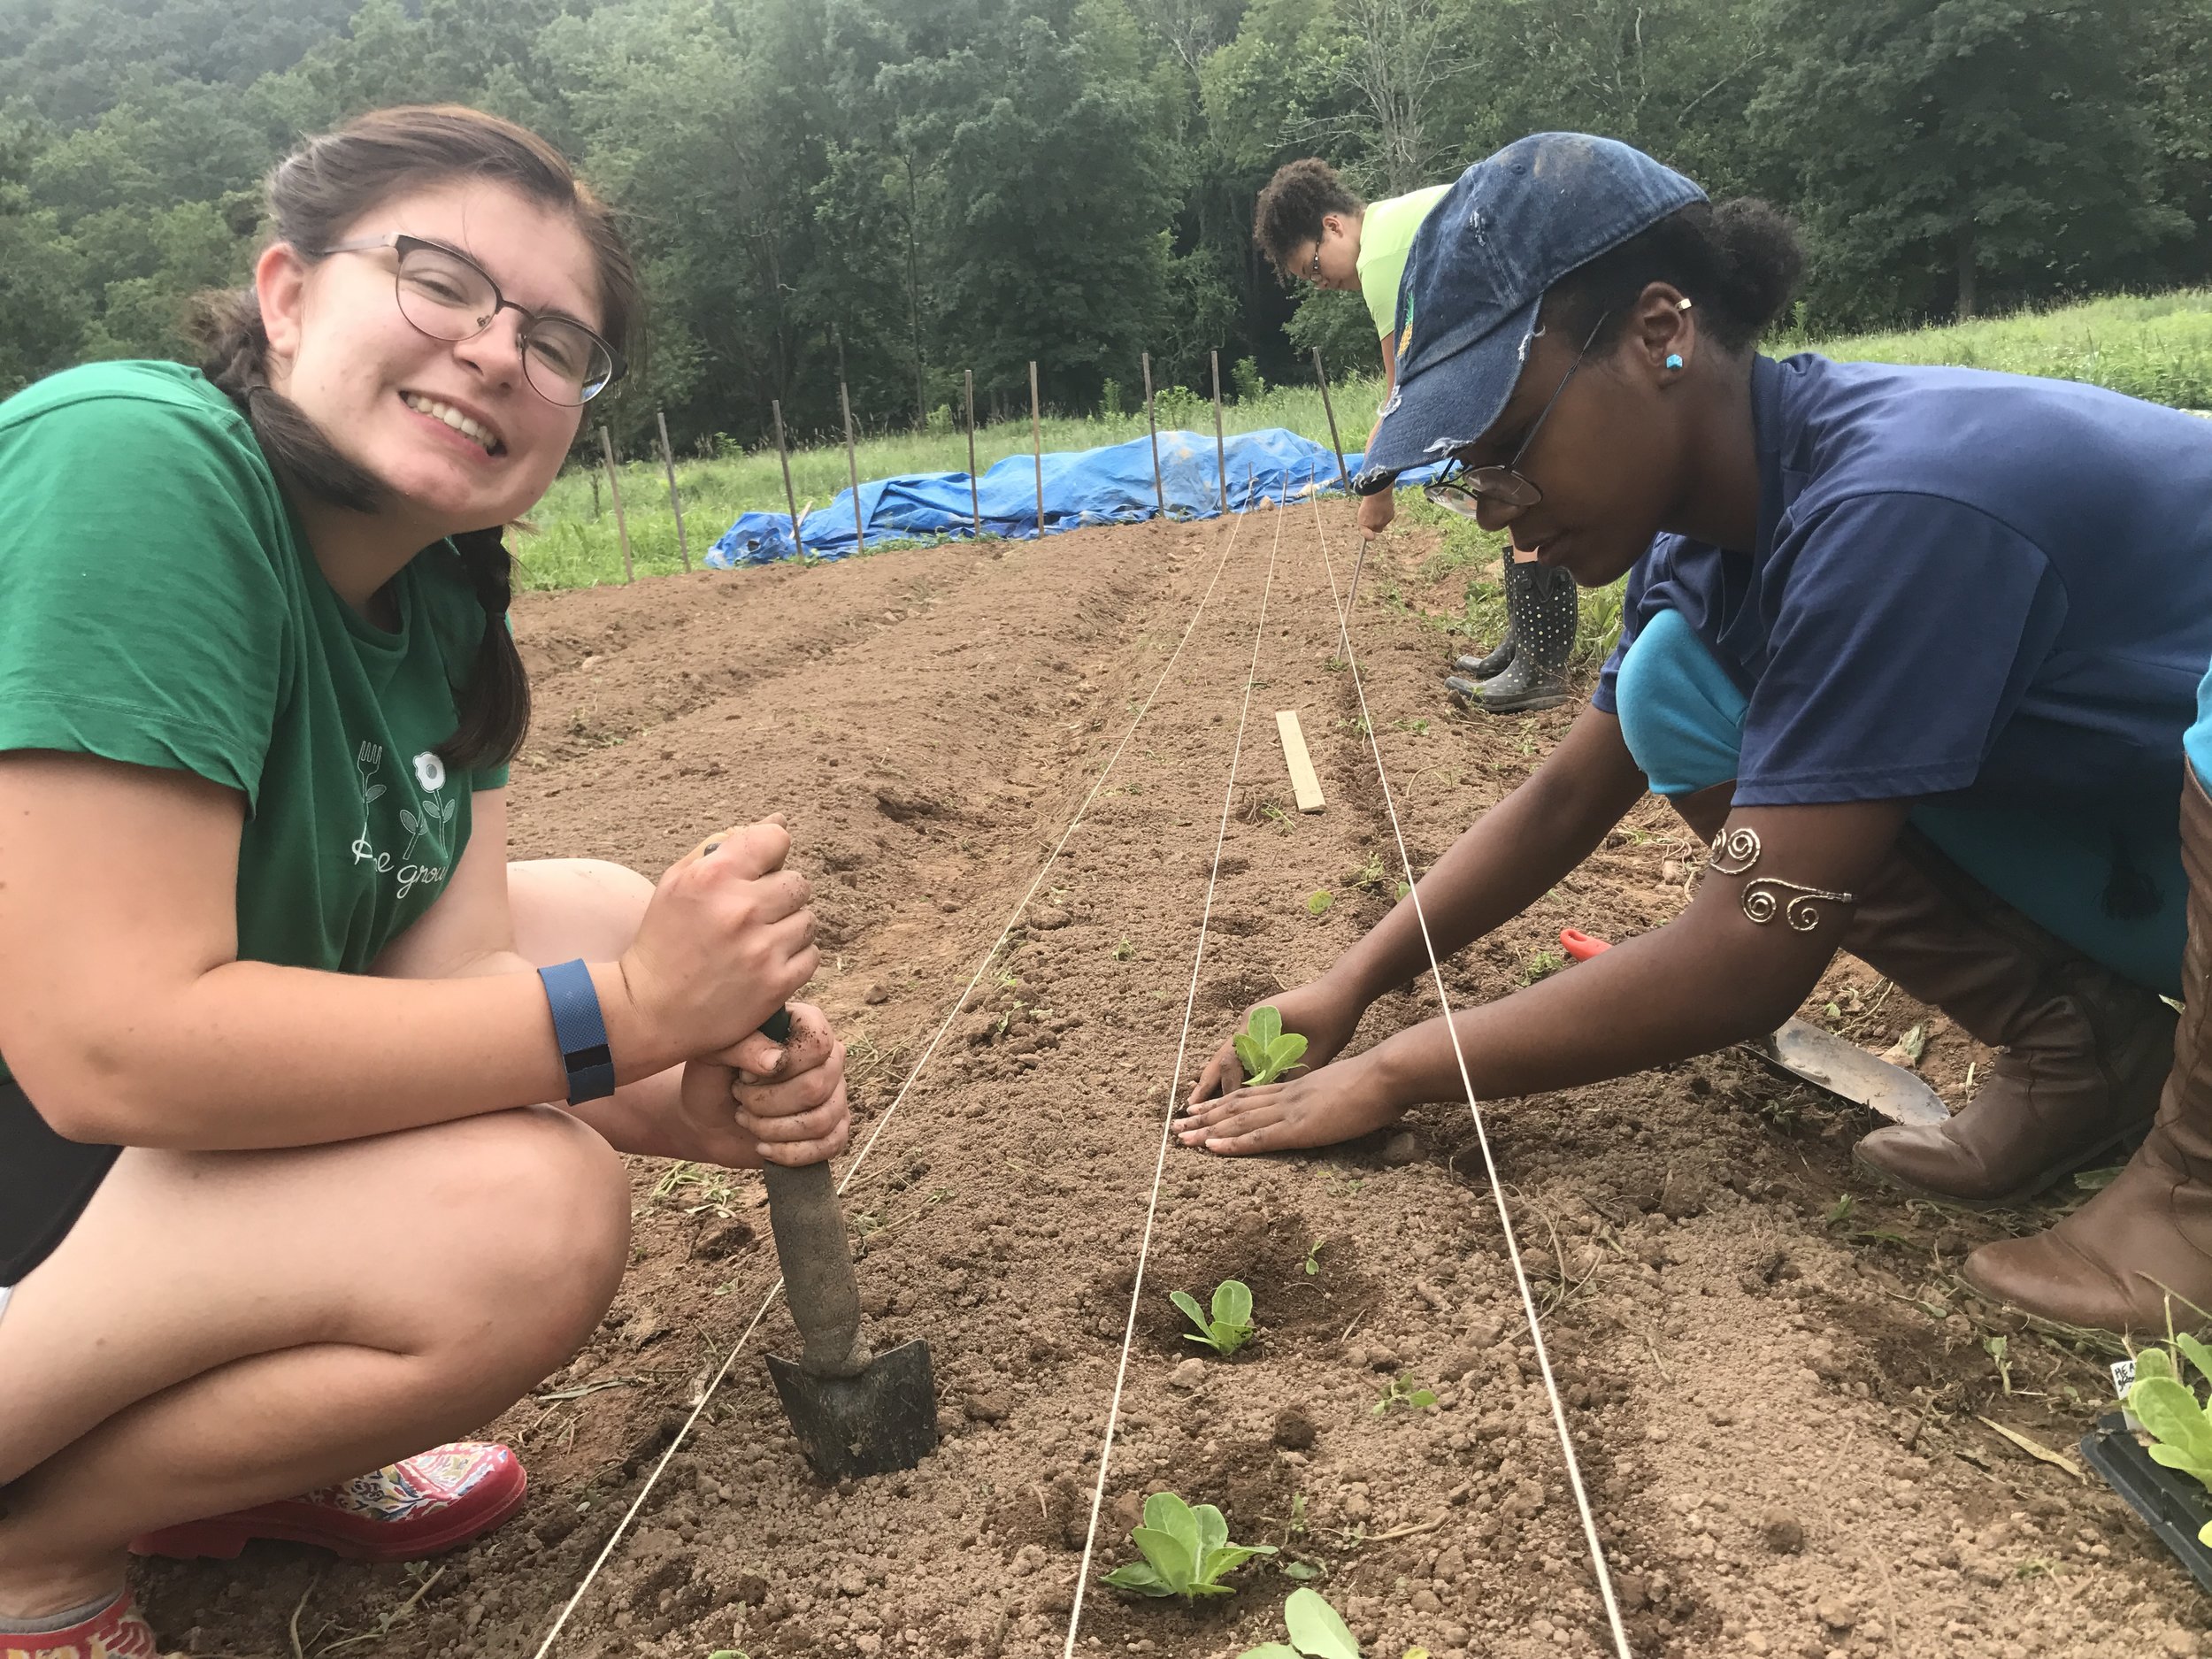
159 605
1386 237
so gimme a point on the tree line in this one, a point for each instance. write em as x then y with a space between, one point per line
898 190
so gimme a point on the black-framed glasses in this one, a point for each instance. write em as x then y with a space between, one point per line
1466 491
447 295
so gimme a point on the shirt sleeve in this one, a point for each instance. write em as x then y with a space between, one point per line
1908 630
143 616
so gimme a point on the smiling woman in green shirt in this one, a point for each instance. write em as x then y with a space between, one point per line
277 1205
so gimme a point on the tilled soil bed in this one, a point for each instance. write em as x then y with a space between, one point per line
1777 1390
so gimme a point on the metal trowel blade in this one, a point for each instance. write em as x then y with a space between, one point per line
1842 1067
882 1420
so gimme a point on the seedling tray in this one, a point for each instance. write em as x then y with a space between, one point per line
2175 1506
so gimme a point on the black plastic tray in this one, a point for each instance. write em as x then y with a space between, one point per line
2173 1504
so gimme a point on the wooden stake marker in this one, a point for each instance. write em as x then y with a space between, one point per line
852 467
1322 375
1037 445
614 489
975 499
783 454
1221 450
1151 420
1303 781
668 460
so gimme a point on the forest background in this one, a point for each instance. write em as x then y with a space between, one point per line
907 189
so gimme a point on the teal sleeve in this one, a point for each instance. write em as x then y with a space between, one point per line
143 618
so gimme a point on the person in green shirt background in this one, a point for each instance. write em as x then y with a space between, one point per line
1311 225
279 1201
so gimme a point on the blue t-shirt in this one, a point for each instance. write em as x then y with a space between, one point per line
1984 587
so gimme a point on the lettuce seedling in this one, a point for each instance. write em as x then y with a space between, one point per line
1316 1632
2169 1409
1231 1326
1264 1049
1186 1551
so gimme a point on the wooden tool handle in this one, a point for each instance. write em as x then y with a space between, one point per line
817 1268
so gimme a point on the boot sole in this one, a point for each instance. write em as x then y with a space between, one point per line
1528 705
2041 1183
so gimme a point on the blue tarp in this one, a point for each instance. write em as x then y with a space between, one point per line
1085 487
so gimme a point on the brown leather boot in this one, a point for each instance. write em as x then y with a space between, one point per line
2081 1052
2113 1264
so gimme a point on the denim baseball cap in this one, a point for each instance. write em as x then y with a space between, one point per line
1479 266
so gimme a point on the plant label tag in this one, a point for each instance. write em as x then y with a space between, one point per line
2122 1378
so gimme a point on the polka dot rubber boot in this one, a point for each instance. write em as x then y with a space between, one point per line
1542 606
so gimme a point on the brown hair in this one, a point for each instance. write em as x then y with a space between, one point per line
1292 206
313 195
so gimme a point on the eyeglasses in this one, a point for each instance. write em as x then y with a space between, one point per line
1466 491
448 296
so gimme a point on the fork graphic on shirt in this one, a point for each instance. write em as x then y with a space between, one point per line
367 760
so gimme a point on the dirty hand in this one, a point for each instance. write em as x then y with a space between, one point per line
761 1102
1316 1109
1316 1012
726 940
1377 511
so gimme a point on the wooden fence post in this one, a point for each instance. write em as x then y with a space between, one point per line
975 498
1335 443
614 489
783 454
668 460
1159 492
852 467
1221 447
1037 445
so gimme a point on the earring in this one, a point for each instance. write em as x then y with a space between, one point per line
1674 359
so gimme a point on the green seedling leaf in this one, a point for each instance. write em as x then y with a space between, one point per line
1230 1327
1264 1049
1186 1551
2197 1354
1316 1629
1319 900
1268 1650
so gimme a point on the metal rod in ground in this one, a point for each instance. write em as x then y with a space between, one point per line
1329 408
1152 422
790 496
614 489
1037 444
852 467
975 499
668 460
1221 448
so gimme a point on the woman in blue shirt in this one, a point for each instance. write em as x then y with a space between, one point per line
1916 646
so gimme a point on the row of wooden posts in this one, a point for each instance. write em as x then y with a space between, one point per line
975 504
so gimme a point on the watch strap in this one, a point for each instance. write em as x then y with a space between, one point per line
580 1028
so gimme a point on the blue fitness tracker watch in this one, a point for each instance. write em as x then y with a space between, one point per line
581 1029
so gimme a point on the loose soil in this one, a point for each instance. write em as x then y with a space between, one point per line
1775 1392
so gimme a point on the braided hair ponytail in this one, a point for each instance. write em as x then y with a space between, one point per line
318 190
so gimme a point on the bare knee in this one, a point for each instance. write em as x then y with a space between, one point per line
547 1235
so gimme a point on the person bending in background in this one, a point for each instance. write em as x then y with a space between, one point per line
1918 650
278 1202
1310 225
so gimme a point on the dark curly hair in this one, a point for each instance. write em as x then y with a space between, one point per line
1740 260
1292 206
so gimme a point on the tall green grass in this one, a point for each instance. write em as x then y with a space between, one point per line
2156 347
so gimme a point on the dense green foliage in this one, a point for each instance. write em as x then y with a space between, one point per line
914 188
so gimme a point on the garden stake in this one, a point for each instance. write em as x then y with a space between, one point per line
668 460
614 489
1221 448
784 455
975 500
1328 408
1037 446
1482 1134
1151 420
1036 885
852 467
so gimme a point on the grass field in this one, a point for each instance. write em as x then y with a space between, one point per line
2158 347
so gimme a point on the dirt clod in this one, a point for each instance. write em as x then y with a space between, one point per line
1781 1532
1294 1430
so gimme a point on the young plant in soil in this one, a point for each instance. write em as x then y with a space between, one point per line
1231 1326
1395 1393
1264 1049
1315 1630
1186 1551
2180 1426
